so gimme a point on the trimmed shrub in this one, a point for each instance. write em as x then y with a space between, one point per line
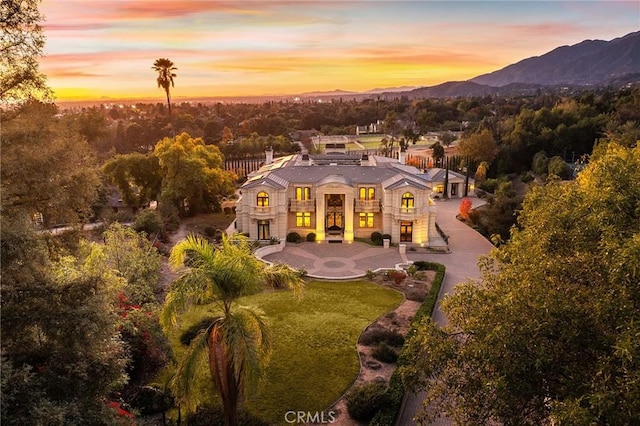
425 266
386 237
385 353
376 238
375 336
363 402
412 269
294 237
311 237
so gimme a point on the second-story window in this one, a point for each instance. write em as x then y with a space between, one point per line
303 219
407 200
303 193
263 199
367 193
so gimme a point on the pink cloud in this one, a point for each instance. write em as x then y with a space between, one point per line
176 9
49 27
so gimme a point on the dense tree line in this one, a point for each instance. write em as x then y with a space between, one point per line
566 125
549 334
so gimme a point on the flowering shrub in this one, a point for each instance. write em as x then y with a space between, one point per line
397 276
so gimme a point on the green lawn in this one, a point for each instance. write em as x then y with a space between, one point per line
370 141
314 359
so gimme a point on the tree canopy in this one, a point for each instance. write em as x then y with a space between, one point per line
193 173
21 45
47 167
549 335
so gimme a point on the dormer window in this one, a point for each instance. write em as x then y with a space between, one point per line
263 199
407 200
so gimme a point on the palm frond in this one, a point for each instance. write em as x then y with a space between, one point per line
182 381
193 250
280 275
191 288
249 343
237 274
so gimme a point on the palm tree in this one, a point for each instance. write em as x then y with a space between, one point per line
237 339
165 70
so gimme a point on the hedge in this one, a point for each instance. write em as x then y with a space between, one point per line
395 391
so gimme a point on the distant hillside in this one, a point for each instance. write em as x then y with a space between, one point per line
590 62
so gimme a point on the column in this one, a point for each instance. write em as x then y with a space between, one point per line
348 217
320 203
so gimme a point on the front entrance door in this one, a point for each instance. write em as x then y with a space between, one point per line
454 189
406 232
334 222
334 219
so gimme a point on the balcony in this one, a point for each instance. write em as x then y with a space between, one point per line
263 212
302 205
367 206
408 213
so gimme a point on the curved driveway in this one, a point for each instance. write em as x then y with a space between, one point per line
340 261
466 245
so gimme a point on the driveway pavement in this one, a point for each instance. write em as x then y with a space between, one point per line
343 261
466 245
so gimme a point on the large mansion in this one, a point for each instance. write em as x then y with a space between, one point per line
340 196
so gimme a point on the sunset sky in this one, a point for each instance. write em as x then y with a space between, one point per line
99 49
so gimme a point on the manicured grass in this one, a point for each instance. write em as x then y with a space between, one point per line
370 141
314 359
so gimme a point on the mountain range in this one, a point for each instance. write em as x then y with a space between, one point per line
586 64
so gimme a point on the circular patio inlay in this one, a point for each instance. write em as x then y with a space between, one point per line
334 264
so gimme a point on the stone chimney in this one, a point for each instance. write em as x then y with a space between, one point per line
268 156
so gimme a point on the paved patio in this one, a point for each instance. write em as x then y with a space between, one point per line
337 260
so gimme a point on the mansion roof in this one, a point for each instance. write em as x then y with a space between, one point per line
345 169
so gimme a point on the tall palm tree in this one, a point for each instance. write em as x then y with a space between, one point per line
166 74
237 339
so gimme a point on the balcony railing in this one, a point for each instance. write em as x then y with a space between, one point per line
263 212
408 213
302 205
367 206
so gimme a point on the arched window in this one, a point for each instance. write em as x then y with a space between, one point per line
263 199
367 193
407 200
